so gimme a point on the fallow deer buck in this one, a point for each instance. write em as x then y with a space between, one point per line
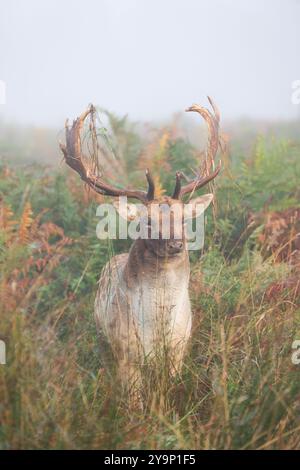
142 304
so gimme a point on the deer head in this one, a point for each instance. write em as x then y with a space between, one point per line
154 208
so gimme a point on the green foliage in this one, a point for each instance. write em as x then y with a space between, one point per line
239 388
268 181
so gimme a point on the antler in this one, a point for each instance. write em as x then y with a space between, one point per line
73 157
199 181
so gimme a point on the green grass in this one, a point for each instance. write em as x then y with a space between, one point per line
239 388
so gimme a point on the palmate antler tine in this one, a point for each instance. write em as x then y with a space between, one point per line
72 153
177 188
72 149
215 109
212 120
199 182
151 186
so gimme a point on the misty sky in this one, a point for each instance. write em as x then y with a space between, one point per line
148 58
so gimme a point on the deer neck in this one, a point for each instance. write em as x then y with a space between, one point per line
143 264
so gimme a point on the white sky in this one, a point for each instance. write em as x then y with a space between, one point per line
148 58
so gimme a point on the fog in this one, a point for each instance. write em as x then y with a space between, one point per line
148 58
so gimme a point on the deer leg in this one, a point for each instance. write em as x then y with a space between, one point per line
178 353
130 378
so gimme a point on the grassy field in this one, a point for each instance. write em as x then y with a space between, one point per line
239 388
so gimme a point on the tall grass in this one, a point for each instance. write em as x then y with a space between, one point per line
238 389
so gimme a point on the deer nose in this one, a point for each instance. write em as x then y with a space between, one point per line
176 245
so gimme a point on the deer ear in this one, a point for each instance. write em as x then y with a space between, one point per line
127 211
195 207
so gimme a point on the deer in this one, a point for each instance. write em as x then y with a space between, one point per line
142 303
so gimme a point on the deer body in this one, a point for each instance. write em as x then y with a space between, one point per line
143 306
